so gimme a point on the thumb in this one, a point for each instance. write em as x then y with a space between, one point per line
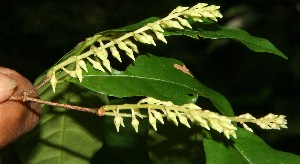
7 85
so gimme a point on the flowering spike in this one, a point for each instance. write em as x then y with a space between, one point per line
176 19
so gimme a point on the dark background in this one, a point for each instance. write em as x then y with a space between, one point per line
36 34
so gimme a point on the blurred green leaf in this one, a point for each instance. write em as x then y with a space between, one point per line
154 77
247 148
64 136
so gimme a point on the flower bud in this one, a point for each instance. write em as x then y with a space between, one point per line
156 27
129 53
183 120
135 124
172 117
172 24
191 106
152 120
149 38
53 81
117 122
263 125
270 116
179 9
200 5
247 116
184 22
115 53
83 65
71 73
200 120
97 52
193 13
247 127
158 116
212 115
141 38
78 72
106 64
160 36
232 133
166 103
215 125
132 45
149 100
275 126
226 133
96 65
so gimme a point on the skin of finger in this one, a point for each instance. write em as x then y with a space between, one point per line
7 87
17 118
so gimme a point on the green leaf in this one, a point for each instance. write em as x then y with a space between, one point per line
154 77
210 29
247 148
64 136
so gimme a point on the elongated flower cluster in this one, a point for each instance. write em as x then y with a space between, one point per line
270 121
190 113
114 43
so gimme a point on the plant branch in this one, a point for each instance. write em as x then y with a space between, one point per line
24 97
42 83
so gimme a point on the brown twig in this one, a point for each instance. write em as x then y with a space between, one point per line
24 97
41 84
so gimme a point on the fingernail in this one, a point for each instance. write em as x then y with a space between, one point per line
6 82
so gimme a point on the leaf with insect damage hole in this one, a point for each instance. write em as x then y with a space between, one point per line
153 77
